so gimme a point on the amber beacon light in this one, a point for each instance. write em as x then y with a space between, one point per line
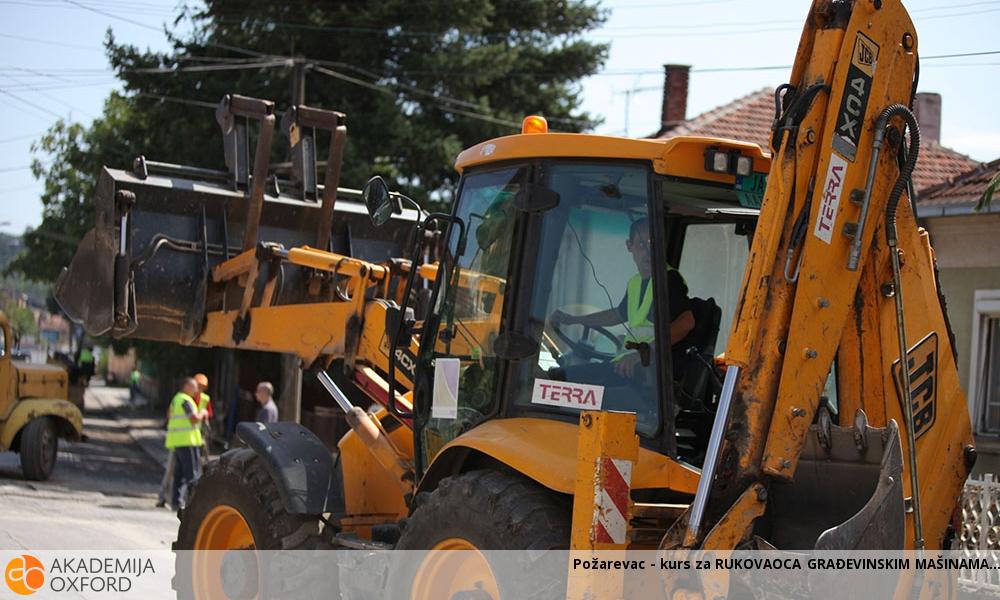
534 124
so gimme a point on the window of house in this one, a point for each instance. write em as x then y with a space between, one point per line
984 388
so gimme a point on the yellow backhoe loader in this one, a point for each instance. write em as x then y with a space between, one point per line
577 277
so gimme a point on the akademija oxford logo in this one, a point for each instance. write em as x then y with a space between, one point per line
25 575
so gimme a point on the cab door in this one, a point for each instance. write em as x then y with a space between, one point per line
460 370
7 383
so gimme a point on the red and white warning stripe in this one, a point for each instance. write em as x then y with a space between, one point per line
611 496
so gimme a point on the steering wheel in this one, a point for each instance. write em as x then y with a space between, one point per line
584 348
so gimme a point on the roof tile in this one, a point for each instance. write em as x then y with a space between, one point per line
749 118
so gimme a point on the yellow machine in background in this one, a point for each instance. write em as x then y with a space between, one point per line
35 410
807 268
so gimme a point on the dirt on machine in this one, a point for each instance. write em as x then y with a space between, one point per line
487 358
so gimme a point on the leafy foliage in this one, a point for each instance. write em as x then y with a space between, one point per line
986 200
418 84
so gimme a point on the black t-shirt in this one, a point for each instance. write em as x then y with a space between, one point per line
677 295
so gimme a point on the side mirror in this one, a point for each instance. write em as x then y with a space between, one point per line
378 201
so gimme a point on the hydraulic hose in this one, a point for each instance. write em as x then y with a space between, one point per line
906 172
892 239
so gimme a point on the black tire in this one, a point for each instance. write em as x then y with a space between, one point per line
239 479
493 510
39 446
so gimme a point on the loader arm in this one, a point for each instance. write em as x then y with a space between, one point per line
820 286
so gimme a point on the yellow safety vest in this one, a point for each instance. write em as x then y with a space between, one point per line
203 401
181 432
638 305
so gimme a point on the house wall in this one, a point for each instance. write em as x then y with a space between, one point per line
968 255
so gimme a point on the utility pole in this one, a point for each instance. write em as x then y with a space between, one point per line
299 80
290 400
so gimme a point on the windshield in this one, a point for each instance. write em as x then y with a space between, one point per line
591 309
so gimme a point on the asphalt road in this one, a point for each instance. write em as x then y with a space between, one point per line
102 493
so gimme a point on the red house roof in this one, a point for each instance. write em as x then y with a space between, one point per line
966 188
749 118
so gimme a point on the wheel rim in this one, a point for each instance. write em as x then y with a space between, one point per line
452 566
223 528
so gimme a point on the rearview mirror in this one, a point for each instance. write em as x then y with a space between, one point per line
378 201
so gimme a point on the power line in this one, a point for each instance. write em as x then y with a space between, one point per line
113 16
218 67
687 26
51 87
48 42
670 5
176 100
384 90
31 104
984 53
50 97
18 138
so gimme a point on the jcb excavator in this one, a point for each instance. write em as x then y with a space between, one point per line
576 278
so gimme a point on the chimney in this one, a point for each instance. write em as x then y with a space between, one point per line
675 96
927 109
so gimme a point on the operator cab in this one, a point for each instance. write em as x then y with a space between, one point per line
582 257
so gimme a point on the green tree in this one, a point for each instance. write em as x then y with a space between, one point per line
21 319
418 84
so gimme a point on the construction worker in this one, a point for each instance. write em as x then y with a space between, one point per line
184 440
86 364
204 402
133 384
635 311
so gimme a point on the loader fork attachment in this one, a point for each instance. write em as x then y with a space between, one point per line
146 269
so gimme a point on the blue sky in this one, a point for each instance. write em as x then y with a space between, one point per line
53 66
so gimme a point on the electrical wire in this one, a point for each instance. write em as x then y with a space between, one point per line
113 16
18 138
214 67
176 100
48 42
49 96
31 104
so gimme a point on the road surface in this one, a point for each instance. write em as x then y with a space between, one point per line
102 493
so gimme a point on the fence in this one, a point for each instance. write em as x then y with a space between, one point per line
979 531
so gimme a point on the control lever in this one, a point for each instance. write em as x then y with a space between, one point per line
695 352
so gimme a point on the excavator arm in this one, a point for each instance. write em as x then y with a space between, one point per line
840 284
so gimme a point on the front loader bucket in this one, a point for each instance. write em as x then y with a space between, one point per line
85 290
144 269
847 493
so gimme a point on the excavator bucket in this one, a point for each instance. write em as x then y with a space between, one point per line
847 493
145 269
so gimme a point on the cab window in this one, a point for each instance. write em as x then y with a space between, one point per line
713 257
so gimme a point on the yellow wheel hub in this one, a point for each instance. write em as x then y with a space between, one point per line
223 528
453 565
